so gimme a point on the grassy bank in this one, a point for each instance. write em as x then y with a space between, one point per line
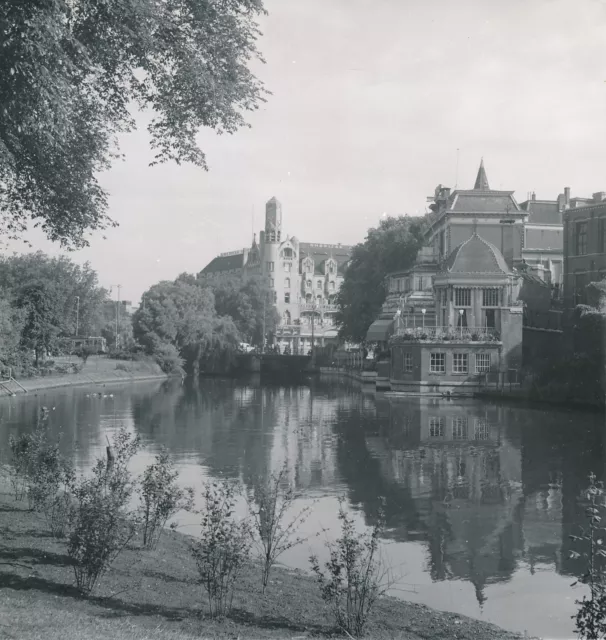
155 595
97 370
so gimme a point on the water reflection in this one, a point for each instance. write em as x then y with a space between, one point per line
480 498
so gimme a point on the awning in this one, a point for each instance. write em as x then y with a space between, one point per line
379 331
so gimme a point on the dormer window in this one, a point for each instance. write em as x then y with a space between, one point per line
287 253
308 265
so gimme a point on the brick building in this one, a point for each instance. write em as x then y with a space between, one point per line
584 246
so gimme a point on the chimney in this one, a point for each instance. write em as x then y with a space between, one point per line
534 196
567 197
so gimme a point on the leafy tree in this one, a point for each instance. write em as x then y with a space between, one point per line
71 286
183 315
70 72
248 303
393 245
11 325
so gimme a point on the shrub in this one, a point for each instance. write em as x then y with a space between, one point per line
591 616
355 574
39 471
167 356
223 548
102 526
269 505
161 498
120 366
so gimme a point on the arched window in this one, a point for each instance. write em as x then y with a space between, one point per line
308 297
332 286
308 284
319 284
287 283
286 317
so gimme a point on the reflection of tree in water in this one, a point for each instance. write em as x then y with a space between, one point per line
559 450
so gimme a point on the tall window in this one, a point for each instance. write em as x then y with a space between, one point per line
491 322
480 431
437 363
462 297
275 296
332 286
459 428
408 362
270 266
419 284
287 252
459 362
287 297
308 284
602 235
581 238
287 267
490 297
331 268
272 282
287 283
482 362
319 284
436 427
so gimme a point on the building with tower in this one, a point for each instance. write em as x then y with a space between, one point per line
304 279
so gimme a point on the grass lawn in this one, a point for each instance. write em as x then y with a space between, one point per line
155 595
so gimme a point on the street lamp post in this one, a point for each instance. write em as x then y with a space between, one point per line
118 286
313 324
77 313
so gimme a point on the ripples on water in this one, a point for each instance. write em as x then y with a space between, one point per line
480 498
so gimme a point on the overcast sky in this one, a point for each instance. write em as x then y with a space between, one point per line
371 100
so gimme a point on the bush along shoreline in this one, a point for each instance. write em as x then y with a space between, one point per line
96 551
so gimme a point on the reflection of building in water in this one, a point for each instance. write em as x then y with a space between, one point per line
303 437
464 478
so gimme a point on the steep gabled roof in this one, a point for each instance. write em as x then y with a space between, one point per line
475 255
225 263
481 180
319 253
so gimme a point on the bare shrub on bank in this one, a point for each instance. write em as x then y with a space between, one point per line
223 548
590 619
269 504
102 525
40 473
161 498
355 575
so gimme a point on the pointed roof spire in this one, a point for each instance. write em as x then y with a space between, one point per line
481 180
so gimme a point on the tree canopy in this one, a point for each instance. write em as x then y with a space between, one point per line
393 245
248 303
46 298
71 72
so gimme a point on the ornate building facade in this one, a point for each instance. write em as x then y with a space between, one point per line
304 279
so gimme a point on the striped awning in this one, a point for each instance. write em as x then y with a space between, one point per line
379 331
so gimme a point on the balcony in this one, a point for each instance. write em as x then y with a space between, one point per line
319 308
445 334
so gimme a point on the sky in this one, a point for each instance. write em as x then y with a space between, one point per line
371 99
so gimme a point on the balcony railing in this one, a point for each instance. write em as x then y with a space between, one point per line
320 308
445 334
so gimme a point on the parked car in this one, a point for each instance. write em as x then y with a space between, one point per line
246 348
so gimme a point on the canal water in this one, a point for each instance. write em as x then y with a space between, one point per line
480 498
